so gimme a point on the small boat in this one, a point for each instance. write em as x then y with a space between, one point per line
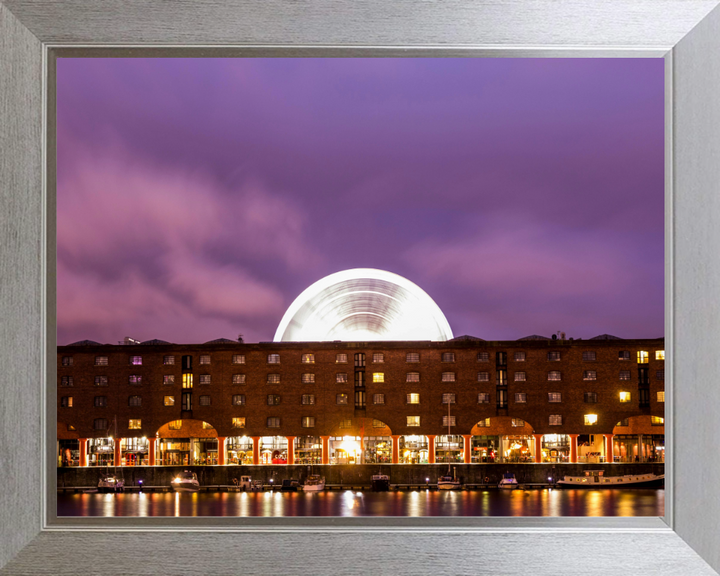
448 482
290 485
314 483
508 482
597 479
185 482
110 483
380 482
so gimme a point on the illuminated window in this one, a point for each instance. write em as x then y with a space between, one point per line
136 360
554 397
501 376
308 399
135 379
341 378
308 422
67 360
168 360
346 424
642 357
359 379
502 399
412 377
341 359
554 375
591 419
238 379
273 422
238 359
238 400
273 378
66 401
378 423
657 421
660 375
100 401
591 397
308 378
659 354
555 420
519 356
135 424
207 426
273 358
360 399
520 397
448 421
412 357
483 357
378 358
520 377
135 401
204 359
204 400
484 423
413 398
624 374
589 356
100 424
518 423
378 377
501 358
101 360
661 396
448 398
187 380
359 360
378 398
483 398
589 375
273 400
308 359
624 355
448 376
238 422
175 424
66 381
169 400
553 356
625 396
483 377
625 422
448 356
341 399
169 379
413 420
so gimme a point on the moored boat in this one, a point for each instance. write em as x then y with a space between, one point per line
508 482
597 479
448 483
110 483
314 483
247 484
185 482
380 482
289 485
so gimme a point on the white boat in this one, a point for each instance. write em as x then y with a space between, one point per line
314 483
247 484
110 483
597 479
380 482
448 482
508 482
185 482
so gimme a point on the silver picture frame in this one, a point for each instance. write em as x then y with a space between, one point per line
685 33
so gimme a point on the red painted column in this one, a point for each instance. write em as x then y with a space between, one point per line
151 451
221 450
467 447
256 450
573 447
538 448
325 449
83 451
609 447
395 449
290 449
118 456
431 449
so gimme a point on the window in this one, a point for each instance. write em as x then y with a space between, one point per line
412 357
308 378
413 398
501 377
553 356
378 423
483 357
483 398
659 354
273 422
308 399
625 396
378 358
483 377
624 374
187 362
657 421
341 378
186 400
624 355
100 424
501 358
520 398
624 422
590 397
67 360
204 400
359 378
135 424
502 400
238 359
589 375
101 380
589 356
359 360
413 420
554 397
238 379
207 426
644 397
101 360
169 400
66 401
340 358
590 419
168 360
642 357
308 422
273 399
378 398
661 396
308 359
378 377
135 401
100 401
484 423
448 398
175 424
71 428
518 423
66 381
345 423
555 420
448 376
360 399
135 379
204 359
273 359
643 375
554 375
412 377
239 422
169 379
136 360
448 357
660 375
448 421
341 399
273 378
238 400
519 356
520 377
187 380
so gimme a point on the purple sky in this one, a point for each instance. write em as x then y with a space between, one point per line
198 198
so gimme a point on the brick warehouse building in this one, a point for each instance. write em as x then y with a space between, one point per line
462 400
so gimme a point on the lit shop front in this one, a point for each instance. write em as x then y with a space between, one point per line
273 450
308 450
484 449
556 448
239 450
449 449
134 451
413 449
188 451
378 450
101 452
69 452
344 449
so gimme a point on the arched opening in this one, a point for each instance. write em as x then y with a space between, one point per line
502 439
187 442
639 439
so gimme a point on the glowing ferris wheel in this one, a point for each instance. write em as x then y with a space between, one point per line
363 304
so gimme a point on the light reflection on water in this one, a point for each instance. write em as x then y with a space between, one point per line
546 502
